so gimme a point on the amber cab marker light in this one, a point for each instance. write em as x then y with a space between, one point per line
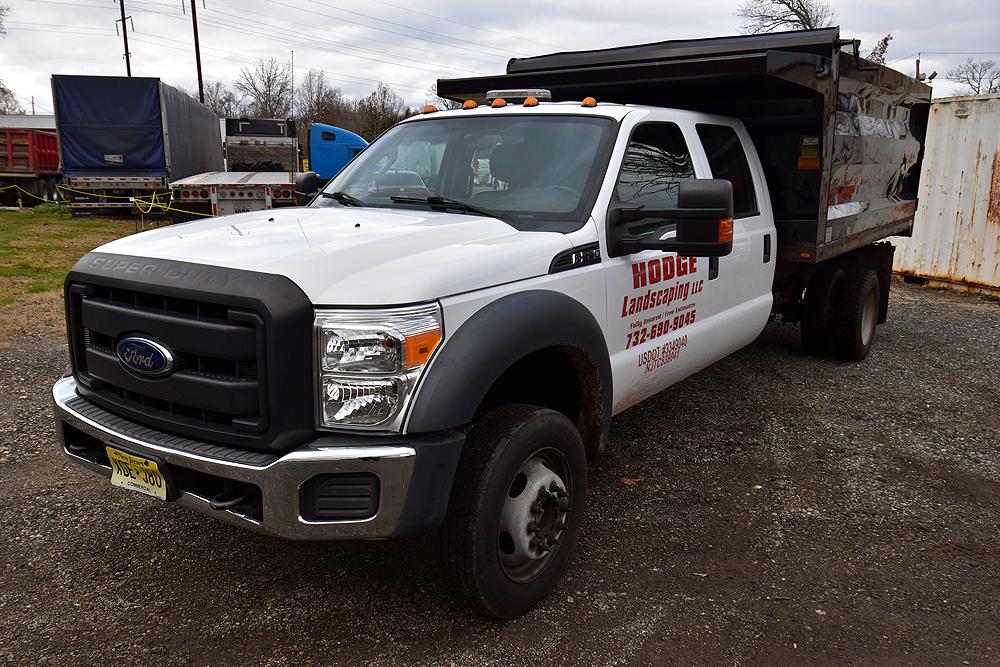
588 102
726 230
531 101
470 104
499 102
430 108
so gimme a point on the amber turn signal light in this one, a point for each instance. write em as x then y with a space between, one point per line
726 230
420 347
531 102
499 102
588 102
430 108
469 104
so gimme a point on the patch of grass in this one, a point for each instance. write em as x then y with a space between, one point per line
37 248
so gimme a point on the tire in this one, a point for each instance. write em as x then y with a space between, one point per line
818 311
856 315
524 467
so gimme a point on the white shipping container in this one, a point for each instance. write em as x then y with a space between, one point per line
956 232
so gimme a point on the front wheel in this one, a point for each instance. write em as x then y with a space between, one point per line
516 506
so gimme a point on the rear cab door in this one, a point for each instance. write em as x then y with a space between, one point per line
670 316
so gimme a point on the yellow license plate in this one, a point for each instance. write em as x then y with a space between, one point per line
137 473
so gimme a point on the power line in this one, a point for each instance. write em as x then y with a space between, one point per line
467 25
313 44
326 35
394 32
226 20
229 19
945 53
236 58
310 43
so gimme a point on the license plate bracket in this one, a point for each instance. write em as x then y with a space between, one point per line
142 473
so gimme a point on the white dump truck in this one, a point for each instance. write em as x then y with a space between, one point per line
399 358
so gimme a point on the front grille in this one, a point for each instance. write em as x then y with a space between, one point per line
217 383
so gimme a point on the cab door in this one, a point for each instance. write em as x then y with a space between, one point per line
670 316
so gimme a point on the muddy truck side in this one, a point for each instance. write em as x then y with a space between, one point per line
439 339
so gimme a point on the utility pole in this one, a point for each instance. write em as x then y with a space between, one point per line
32 105
291 111
128 55
197 52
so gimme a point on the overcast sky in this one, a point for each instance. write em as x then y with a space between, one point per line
410 44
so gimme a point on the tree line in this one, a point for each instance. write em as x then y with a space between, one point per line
265 90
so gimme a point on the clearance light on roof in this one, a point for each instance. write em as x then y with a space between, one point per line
531 102
430 108
588 102
499 102
470 104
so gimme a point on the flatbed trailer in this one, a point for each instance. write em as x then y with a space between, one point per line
227 192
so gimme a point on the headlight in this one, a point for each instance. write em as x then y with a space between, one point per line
370 360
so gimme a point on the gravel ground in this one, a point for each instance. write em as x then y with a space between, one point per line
774 508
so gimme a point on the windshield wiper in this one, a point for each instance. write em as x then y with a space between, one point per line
445 203
343 198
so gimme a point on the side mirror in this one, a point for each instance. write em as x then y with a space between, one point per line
704 217
306 187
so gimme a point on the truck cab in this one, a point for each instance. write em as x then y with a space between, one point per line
386 362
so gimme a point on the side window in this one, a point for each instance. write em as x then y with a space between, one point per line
728 160
656 161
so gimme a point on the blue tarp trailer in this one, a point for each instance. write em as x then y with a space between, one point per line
123 137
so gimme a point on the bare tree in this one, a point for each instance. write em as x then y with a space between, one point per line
4 10
977 77
8 101
315 98
877 54
438 101
267 87
223 100
760 16
380 110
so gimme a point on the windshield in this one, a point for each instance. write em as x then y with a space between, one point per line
535 172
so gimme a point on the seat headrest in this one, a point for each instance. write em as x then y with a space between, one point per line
505 161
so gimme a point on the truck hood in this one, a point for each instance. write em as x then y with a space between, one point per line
358 256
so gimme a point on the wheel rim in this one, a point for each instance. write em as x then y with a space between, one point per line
534 515
869 317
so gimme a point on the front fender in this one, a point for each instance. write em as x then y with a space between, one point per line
494 339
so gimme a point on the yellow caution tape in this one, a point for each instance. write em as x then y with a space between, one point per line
151 203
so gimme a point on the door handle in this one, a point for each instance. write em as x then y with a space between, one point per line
767 248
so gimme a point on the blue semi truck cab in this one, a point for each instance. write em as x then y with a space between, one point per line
330 148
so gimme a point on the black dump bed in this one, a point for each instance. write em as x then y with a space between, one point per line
841 139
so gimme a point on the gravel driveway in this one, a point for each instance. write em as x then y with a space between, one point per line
774 508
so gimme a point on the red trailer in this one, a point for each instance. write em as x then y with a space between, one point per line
29 159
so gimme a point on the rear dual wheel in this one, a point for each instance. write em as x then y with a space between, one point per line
840 313
516 506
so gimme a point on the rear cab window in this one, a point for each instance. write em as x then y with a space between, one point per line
728 160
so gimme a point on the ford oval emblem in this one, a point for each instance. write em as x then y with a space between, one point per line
144 356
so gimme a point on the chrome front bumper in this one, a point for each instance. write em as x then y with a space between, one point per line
278 478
